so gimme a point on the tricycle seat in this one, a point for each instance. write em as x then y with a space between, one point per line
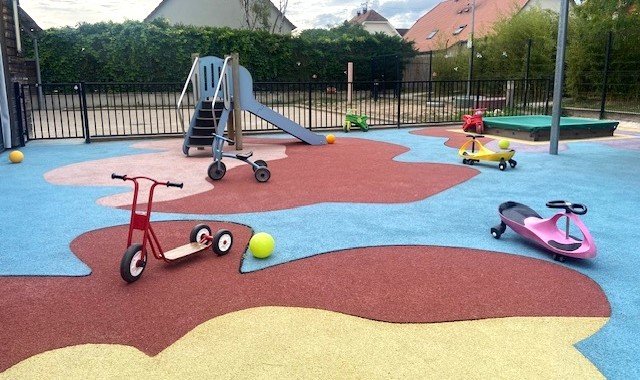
244 156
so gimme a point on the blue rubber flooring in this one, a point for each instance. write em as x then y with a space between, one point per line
39 220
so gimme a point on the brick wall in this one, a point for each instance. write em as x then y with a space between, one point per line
16 69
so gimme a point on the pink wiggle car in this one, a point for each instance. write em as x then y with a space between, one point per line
544 232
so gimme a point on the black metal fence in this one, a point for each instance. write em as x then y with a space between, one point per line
94 110
100 110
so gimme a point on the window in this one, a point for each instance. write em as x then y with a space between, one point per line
432 34
459 29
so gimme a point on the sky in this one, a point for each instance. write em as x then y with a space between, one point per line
303 13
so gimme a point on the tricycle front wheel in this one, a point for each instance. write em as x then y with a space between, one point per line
133 263
217 170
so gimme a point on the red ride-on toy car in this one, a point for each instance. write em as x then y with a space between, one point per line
135 257
474 123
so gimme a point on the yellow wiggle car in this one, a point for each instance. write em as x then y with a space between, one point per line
473 151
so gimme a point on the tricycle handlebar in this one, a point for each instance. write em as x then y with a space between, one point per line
223 138
117 176
173 184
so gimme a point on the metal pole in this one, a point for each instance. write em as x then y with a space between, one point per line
398 86
38 75
528 62
430 72
526 74
470 45
237 105
607 57
16 96
349 84
309 105
5 118
85 112
559 78
16 24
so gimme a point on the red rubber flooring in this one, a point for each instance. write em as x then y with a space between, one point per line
391 283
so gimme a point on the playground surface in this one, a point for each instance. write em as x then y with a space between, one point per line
384 266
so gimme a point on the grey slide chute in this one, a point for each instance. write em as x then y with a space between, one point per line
250 104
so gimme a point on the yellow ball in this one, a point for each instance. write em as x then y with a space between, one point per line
16 157
503 144
262 245
331 139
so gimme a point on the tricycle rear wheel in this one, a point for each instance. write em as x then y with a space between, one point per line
262 174
259 163
222 242
198 232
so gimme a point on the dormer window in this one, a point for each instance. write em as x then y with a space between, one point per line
459 29
432 34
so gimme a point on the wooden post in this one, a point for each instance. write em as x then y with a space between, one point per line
349 83
237 105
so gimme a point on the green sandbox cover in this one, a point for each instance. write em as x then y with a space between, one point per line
537 123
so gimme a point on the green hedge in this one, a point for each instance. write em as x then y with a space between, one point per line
158 52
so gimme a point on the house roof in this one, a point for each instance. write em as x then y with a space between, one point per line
448 16
157 8
369 15
28 24
402 31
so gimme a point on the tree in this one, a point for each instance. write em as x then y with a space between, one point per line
136 51
589 30
504 52
258 14
282 10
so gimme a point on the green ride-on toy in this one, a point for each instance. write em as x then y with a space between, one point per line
354 119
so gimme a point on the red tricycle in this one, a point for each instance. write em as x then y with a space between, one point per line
135 257
474 123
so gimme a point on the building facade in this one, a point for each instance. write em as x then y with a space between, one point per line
373 22
218 13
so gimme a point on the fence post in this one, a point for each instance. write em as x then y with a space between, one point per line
547 91
399 85
16 94
398 88
607 57
310 95
430 73
84 111
526 75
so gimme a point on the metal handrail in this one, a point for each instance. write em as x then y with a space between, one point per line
184 91
225 91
